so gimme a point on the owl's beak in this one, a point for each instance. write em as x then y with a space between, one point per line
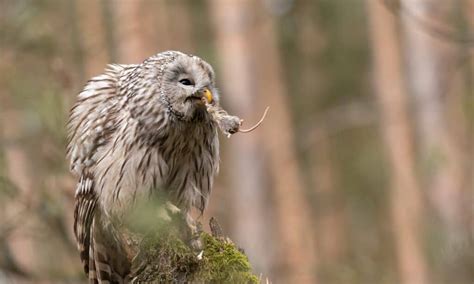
203 95
206 93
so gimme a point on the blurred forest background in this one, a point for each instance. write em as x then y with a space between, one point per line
363 171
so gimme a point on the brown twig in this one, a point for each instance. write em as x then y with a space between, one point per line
258 123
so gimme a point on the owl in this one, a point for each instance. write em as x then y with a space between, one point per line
138 131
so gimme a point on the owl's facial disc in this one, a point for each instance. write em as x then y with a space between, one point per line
188 83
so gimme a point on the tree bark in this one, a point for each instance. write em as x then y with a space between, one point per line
405 198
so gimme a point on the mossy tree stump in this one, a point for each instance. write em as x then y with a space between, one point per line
166 257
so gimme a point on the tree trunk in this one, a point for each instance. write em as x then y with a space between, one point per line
328 208
405 197
470 138
237 75
430 65
138 23
180 35
18 174
296 255
331 225
92 35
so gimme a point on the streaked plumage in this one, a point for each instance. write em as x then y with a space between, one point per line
136 130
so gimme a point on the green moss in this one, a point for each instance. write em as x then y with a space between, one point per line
164 259
222 262
167 259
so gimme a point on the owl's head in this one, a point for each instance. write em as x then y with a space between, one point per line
183 84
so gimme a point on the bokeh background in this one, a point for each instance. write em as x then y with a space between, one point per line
363 171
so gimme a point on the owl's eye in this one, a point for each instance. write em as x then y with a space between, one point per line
186 82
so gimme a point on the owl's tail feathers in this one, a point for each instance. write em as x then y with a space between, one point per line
102 255
100 270
91 273
104 267
84 212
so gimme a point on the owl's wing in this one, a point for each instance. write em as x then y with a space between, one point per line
91 124
93 118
